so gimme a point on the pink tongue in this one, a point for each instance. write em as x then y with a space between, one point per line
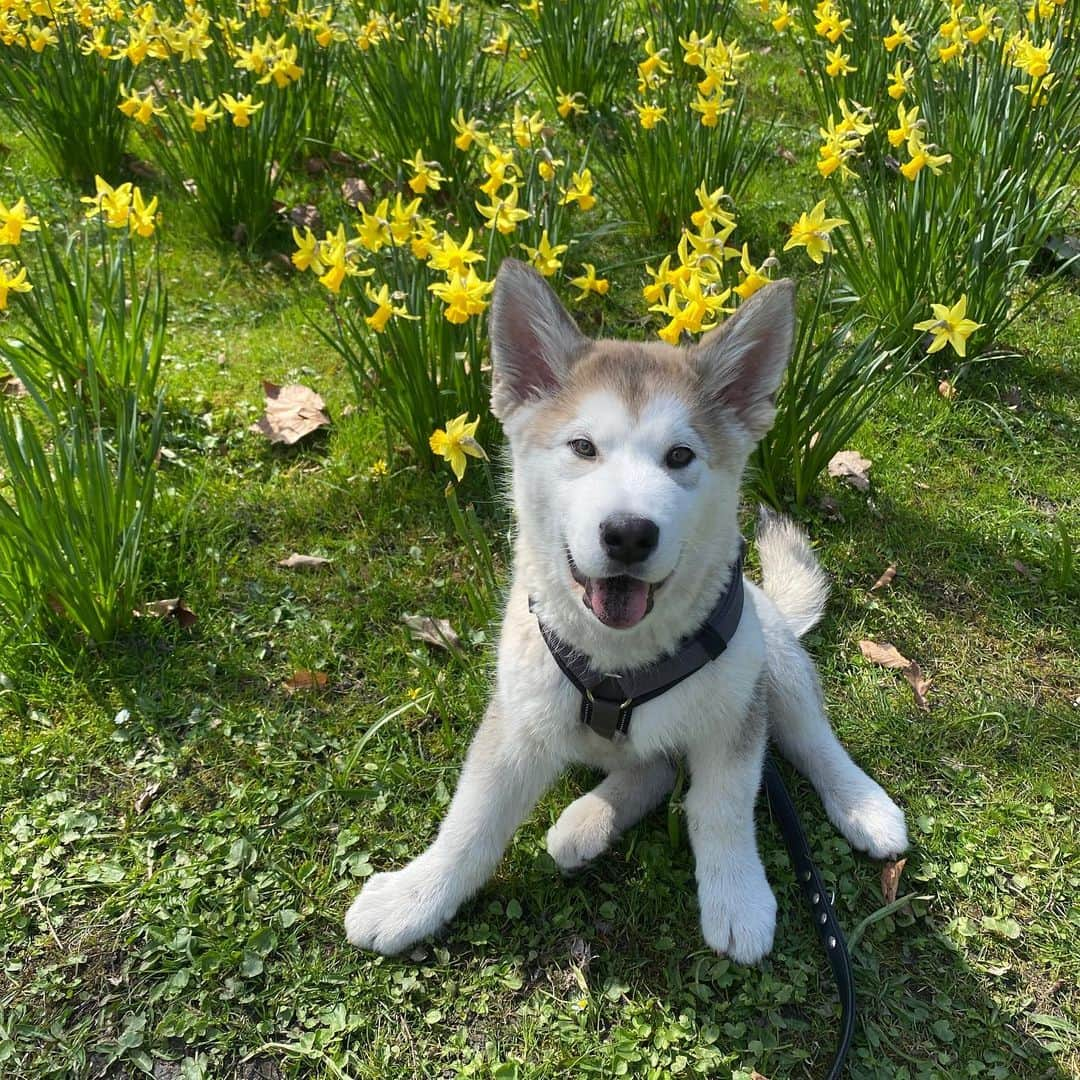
620 602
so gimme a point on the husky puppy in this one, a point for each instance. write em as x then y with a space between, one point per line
627 459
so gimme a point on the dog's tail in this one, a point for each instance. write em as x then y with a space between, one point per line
791 575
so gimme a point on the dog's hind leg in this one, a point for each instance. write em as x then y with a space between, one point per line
592 823
856 805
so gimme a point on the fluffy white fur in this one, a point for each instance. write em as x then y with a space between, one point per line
718 720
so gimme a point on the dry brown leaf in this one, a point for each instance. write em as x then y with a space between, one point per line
830 508
1023 570
919 684
355 192
890 879
437 632
147 796
1012 400
886 578
851 466
297 561
12 386
785 154
306 216
291 413
171 609
884 655
946 389
305 680
315 165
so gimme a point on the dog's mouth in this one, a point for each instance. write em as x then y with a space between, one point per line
619 602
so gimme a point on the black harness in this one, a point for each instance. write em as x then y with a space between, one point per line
607 705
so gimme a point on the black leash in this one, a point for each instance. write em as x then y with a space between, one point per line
825 922
607 704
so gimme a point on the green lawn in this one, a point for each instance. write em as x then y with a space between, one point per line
180 836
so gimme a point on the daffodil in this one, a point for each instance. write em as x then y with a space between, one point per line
783 18
565 104
812 230
504 214
950 326
374 228
694 48
907 118
451 257
580 191
306 256
385 308
711 108
456 440
16 220
10 282
143 216
921 158
588 283
525 129
900 80
900 35
114 204
202 115
467 130
838 63
240 109
650 115
464 295
140 107
753 277
545 256
710 206
426 176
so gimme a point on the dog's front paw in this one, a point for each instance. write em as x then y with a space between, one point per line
738 914
584 830
395 910
869 820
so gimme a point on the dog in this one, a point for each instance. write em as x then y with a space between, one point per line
627 460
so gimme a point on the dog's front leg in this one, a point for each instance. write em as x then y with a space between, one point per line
738 910
501 780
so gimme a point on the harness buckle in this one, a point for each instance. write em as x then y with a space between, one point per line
605 716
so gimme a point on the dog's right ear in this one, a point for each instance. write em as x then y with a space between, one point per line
534 341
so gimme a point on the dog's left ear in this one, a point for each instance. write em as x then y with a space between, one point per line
742 361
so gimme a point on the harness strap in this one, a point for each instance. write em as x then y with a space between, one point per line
825 922
608 700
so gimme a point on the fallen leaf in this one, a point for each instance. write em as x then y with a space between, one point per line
919 684
851 466
785 154
1023 571
291 413
305 680
890 879
339 159
303 562
147 796
142 169
355 192
946 389
437 632
306 216
12 386
171 609
830 508
885 579
315 165
884 655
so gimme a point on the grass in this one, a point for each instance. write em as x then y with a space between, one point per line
180 836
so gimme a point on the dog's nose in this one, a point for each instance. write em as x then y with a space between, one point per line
628 539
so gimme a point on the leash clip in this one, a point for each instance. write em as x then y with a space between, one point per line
606 717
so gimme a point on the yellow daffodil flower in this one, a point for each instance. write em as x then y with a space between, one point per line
426 176
464 295
907 118
580 191
570 103
901 35
950 326
306 256
143 216
114 204
467 130
202 115
385 308
374 228
900 80
920 157
140 107
455 441
812 230
783 18
588 283
545 256
753 277
694 48
10 282
240 109
838 63
15 221
451 257
650 115
504 214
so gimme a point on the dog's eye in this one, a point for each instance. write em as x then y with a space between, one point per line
678 457
583 448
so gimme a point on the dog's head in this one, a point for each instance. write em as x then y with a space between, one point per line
627 457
